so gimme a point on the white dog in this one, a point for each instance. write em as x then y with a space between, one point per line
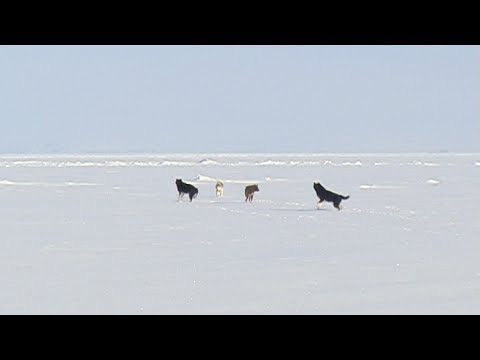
219 188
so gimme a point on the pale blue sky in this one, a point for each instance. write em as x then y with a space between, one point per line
239 99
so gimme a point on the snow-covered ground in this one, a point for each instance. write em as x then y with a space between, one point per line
105 234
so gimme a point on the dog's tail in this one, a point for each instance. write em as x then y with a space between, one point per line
345 197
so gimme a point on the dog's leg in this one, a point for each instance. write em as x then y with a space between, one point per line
319 204
179 197
337 205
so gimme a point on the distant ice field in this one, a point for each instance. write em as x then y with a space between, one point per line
104 234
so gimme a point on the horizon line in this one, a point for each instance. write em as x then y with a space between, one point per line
108 154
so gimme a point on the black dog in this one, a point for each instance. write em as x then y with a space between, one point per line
325 195
184 188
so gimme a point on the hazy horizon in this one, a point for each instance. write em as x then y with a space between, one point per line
139 153
239 99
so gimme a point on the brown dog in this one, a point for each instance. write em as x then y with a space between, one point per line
249 191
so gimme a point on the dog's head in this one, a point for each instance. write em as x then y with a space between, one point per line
255 187
178 181
317 186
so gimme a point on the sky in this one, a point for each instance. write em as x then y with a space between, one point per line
182 99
